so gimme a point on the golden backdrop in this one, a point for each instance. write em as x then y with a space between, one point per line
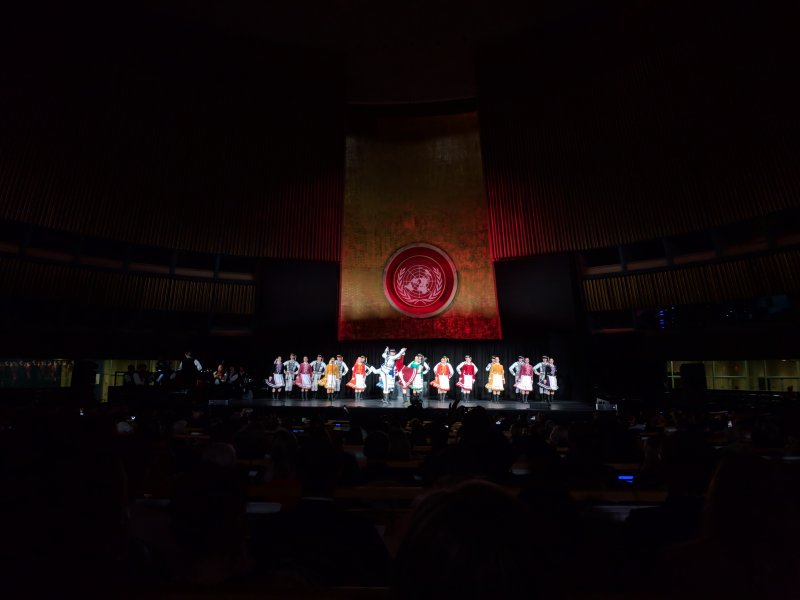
415 179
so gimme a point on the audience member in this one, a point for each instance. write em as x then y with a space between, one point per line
317 543
377 470
686 464
472 541
749 547
208 510
79 510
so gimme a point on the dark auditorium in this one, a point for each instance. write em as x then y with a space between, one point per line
431 300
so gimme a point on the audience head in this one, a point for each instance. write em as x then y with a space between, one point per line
476 426
318 467
376 446
222 455
471 541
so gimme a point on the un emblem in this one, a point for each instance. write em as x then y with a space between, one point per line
420 280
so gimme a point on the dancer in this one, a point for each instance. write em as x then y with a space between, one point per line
425 370
405 377
278 379
303 381
549 382
524 382
539 371
441 378
398 368
497 378
359 380
466 376
332 378
318 371
415 382
343 369
514 370
489 367
553 378
291 367
391 360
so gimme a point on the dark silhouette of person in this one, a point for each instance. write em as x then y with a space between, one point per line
317 542
471 541
748 548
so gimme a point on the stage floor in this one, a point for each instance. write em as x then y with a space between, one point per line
398 404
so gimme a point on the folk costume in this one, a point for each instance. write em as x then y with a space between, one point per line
317 373
466 377
277 382
343 369
405 377
441 377
514 370
497 379
416 383
332 378
392 363
359 379
539 371
549 382
525 380
291 367
303 380
425 370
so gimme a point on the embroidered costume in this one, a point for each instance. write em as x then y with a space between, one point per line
277 381
496 378
441 377
331 378
291 367
392 364
343 369
317 372
416 384
303 379
525 378
514 370
358 381
549 381
539 372
466 376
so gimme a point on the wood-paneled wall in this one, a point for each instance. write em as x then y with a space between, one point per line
66 283
216 147
589 143
736 279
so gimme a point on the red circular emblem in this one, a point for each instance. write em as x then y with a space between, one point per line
420 280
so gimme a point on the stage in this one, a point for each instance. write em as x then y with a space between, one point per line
345 405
